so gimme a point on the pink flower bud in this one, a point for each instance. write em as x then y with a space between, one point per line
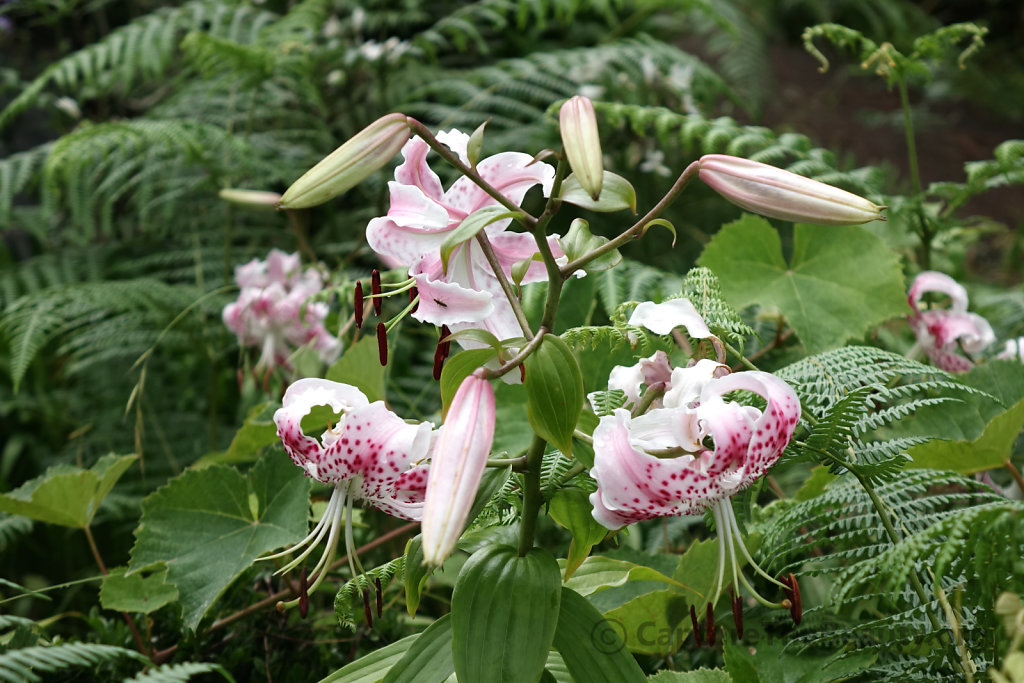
582 144
352 163
456 467
776 193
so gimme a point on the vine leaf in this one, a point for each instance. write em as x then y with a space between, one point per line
840 282
210 525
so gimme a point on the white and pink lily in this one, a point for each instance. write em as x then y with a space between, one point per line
942 332
370 454
421 217
271 312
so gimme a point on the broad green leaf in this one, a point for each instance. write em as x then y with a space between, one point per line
577 304
599 573
815 484
143 591
554 391
976 433
653 623
470 226
429 659
839 284
768 662
210 525
66 495
482 336
512 430
504 612
579 241
571 508
360 366
372 667
257 431
616 194
592 647
457 368
696 676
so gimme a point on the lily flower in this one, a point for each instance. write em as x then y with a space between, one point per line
457 466
1013 350
271 312
693 454
941 332
370 454
421 217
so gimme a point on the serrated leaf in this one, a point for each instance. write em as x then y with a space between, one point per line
840 282
554 390
144 591
579 241
66 495
770 663
504 612
591 647
695 676
616 194
470 226
200 525
360 366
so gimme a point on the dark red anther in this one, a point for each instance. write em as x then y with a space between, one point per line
413 293
696 626
266 380
737 613
380 597
382 343
366 608
240 376
375 290
796 610
357 303
447 345
438 360
711 625
303 594
522 372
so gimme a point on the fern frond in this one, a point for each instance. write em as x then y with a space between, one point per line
179 673
16 173
351 594
13 527
606 402
632 281
27 663
701 287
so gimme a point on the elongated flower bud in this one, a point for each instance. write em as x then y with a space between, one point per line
257 199
352 163
776 193
456 467
578 124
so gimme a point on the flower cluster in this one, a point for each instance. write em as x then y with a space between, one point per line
272 313
941 332
422 216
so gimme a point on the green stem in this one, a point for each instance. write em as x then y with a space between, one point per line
139 643
506 286
531 495
924 229
637 228
746 363
528 220
517 359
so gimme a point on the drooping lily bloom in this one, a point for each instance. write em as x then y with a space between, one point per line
457 466
693 453
1013 350
421 217
370 454
942 332
271 312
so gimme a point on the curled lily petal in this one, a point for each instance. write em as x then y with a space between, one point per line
664 317
943 333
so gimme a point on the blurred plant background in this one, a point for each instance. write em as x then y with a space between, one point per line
120 121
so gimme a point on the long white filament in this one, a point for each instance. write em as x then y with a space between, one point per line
314 537
320 570
739 542
717 590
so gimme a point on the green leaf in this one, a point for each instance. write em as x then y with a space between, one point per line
599 573
768 662
504 612
360 366
663 222
201 525
429 660
66 495
840 282
592 647
257 431
554 391
143 591
980 430
470 226
483 336
476 144
653 623
457 368
579 241
571 508
616 194
372 667
696 676
416 574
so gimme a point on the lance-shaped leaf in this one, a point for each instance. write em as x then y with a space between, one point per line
429 659
570 507
616 194
67 495
360 366
504 613
554 390
840 281
592 648
209 525
470 226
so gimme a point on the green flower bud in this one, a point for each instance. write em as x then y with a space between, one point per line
776 193
257 199
582 144
352 163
